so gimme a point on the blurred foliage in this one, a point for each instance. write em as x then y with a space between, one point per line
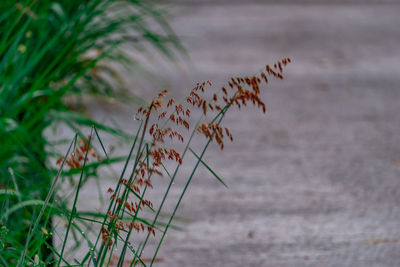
51 51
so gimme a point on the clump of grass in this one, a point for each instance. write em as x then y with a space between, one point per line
162 125
52 52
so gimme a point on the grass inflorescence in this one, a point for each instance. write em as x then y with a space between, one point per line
125 229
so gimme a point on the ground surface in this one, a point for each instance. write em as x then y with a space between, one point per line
315 182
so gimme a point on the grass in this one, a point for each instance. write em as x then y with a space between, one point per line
131 219
52 52
55 51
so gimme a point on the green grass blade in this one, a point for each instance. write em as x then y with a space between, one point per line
53 186
208 168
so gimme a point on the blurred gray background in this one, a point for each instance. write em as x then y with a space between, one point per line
315 181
